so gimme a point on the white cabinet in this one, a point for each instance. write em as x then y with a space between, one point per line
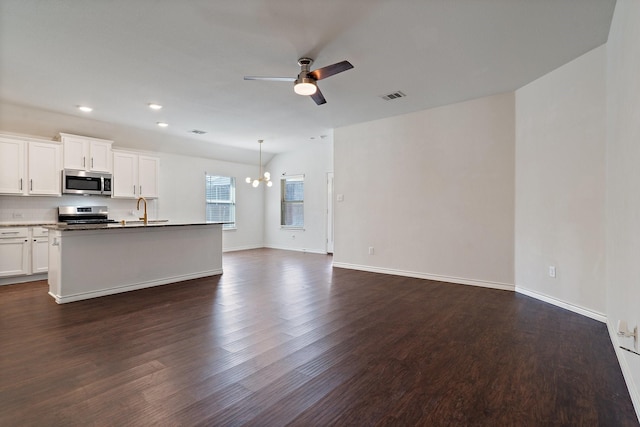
23 251
12 166
39 250
135 175
44 166
14 251
86 153
30 167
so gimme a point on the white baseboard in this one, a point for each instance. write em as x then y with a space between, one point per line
308 251
133 286
436 277
601 317
626 372
242 248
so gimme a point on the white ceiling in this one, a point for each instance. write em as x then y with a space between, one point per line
190 56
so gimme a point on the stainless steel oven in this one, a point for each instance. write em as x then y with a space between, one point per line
74 215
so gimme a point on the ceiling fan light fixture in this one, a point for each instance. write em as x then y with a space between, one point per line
305 86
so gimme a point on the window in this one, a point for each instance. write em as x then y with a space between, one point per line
221 200
292 202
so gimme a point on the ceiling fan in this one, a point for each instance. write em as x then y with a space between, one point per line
305 83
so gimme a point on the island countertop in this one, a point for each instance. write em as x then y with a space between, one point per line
124 225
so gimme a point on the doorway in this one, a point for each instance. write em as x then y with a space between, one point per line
330 212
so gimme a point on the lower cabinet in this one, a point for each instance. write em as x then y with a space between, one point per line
39 250
23 251
14 251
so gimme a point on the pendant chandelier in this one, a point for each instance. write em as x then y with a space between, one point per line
262 177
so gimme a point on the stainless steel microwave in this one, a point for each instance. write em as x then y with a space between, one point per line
83 182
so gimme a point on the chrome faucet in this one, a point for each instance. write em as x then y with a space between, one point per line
144 218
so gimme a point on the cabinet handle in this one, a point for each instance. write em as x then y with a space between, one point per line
20 184
10 232
92 163
31 185
84 161
141 190
134 189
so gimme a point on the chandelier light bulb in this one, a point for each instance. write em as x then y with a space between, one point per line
266 176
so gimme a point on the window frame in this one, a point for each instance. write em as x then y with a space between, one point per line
284 203
228 202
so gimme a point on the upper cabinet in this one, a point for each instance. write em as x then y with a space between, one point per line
85 153
44 165
29 166
12 165
135 175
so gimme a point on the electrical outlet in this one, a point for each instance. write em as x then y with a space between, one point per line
371 250
552 271
18 215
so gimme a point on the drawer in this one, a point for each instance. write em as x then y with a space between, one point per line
13 232
39 231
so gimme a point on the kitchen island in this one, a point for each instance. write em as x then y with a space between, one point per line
89 261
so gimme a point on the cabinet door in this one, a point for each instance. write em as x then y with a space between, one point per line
39 255
125 175
12 177
148 171
14 252
55 268
44 166
100 156
75 153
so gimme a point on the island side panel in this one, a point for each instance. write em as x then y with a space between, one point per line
106 261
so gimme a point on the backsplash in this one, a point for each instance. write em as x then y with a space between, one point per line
36 209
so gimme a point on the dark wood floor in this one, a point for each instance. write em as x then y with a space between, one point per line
282 338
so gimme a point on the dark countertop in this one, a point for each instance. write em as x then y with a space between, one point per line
126 225
26 224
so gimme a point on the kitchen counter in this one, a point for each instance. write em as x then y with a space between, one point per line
26 224
89 261
124 225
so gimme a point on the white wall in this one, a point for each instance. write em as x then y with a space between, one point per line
560 185
182 196
623 182
314 159
432 192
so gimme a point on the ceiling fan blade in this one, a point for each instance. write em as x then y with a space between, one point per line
272 79
318 97
330 70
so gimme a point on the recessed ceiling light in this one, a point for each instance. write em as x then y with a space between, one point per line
155 106
85 109
163 124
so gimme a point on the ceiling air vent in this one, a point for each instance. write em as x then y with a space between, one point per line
393 95
198 132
